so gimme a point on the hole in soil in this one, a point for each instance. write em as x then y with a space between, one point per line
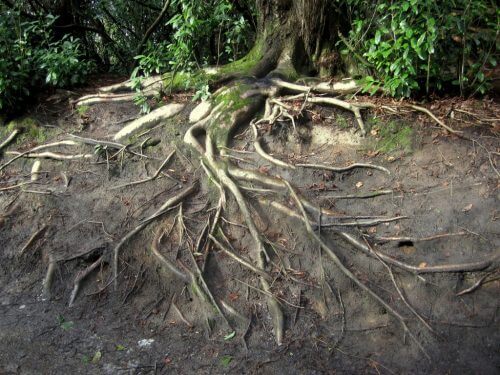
405 243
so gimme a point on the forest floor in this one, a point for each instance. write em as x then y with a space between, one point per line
443 185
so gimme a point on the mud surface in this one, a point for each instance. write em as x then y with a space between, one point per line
441 184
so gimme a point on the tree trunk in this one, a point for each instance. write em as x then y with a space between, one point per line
297 36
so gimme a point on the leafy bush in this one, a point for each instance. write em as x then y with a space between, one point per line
418 44
31 57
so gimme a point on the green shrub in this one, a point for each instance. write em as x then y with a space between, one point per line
30 57
417 45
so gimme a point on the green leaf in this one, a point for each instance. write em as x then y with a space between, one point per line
229 336
97 357
378 36
226 360
67 325
120 348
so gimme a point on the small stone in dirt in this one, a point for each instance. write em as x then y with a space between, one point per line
467 208
145 343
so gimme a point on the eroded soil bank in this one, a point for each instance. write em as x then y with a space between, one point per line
441 184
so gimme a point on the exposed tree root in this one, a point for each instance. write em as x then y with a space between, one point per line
477 284
348 273
148 121
108 98
9 139
81 276
35 169
32 239
240 260
212 128
344 169
258 148
373 194
153 177
491 261
164 208
47 281
51 155
37 148
164 261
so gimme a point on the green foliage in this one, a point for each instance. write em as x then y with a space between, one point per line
203 33
194 27
31 57
414 45
63 63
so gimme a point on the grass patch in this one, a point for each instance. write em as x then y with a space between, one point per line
82 109
30 130
342 121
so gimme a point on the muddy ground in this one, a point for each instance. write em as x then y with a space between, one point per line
442 184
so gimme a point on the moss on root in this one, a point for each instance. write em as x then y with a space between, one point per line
232 102
192 80
394 136
245 65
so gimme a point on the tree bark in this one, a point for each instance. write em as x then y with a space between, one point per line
298 36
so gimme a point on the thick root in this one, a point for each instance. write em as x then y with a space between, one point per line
148 121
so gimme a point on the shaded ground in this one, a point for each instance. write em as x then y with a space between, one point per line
443 184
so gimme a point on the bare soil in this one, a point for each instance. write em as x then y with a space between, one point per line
442 184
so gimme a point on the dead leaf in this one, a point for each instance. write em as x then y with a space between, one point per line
422 265
467 208
359 184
